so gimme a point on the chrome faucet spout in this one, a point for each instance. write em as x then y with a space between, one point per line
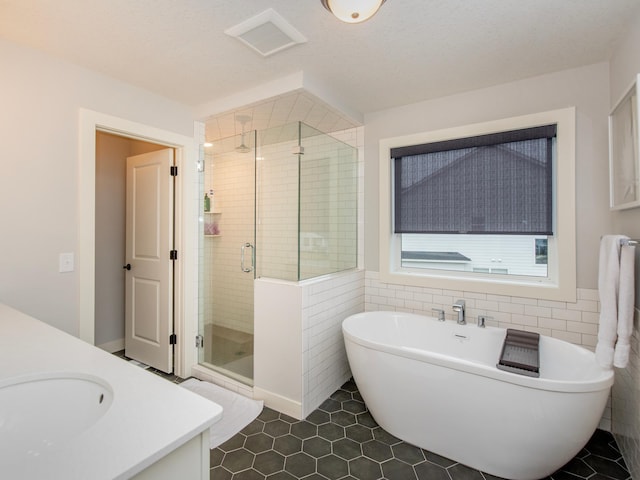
459 308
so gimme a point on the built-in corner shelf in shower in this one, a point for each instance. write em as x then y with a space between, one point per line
212 214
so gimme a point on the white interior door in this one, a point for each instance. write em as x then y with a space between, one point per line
149 269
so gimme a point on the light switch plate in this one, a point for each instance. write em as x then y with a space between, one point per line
66 262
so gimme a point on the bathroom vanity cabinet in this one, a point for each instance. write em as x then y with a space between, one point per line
69 410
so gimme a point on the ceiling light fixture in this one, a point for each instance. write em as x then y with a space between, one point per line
353 11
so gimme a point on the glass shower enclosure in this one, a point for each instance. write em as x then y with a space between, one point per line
280 203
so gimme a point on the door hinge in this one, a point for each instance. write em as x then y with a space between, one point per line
173 339
174 170
173 255
199 341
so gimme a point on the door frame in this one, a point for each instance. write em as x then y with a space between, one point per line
185 225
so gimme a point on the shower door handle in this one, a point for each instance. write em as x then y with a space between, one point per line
242 250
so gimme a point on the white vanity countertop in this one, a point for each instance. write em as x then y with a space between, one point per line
149 416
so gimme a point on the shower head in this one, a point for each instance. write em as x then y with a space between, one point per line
242 119
242 148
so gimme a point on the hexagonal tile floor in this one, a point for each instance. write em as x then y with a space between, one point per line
341 440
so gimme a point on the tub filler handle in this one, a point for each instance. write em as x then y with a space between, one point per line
459 308
440 313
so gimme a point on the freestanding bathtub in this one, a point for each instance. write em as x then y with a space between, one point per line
435 385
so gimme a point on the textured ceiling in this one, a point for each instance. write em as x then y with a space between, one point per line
411 50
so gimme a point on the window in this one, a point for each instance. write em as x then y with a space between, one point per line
462 208
484 197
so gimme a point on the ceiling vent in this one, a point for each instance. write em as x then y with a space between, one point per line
266 33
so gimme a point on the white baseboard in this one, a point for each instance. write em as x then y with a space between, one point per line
113 346
279 403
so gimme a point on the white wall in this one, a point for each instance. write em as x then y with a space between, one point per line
585 88
625 66
40 97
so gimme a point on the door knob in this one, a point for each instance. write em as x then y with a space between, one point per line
127 266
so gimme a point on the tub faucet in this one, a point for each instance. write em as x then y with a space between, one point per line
459 307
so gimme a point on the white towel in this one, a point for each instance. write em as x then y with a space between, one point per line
611 301
625 305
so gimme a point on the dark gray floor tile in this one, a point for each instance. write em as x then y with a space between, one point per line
281 476
343 418
254 427
215 457
300 465
437 459
353 406
366 419
332 467
304 430
268 414
318 417
430 471
385 437
234 443
220 473
365 469
377 451
330 406
397 470
602 444
341 396
269 462
288 419
408 453
238 460
259 442
462 472
331 431
346 448
248 475
287 445
606 467
358 433
578 467
349 386
276 428
316 447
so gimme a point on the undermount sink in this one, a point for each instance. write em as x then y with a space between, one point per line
38 414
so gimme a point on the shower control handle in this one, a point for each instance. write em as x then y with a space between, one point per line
242 250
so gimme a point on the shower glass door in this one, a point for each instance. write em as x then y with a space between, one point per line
227 263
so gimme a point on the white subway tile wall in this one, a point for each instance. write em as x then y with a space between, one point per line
573 322
326 303
626 406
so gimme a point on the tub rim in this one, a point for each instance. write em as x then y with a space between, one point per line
602 382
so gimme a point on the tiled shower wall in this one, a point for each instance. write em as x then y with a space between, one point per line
573 322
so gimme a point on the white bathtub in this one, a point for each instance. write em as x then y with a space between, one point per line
435 385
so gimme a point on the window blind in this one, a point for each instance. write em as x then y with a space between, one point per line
499 183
